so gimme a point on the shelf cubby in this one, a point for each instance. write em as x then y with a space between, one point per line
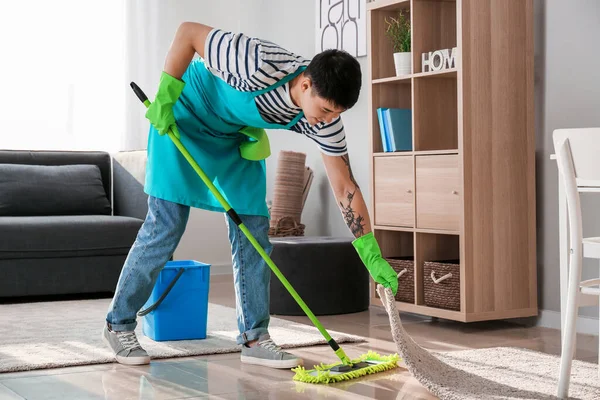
383 67
388 5
432 247
389 95
398 248
395 243
435 113
433 28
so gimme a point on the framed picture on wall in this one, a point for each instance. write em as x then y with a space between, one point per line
341 24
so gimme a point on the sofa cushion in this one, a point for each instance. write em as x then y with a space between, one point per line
61 236
62 157
41 190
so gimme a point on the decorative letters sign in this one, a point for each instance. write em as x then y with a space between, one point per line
438 60
342 24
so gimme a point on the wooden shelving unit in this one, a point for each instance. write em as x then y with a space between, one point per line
466 190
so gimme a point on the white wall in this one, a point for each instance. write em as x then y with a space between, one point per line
568 96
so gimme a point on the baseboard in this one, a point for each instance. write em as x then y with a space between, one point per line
221 269
551 319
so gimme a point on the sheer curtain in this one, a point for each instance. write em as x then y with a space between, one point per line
63 74
66 65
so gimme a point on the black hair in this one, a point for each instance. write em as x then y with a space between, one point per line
336 77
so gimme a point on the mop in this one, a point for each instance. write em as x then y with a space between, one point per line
369 363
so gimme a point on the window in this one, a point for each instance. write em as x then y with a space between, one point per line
62 74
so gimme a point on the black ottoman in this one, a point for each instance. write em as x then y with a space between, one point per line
326 272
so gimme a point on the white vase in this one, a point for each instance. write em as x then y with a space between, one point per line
402 63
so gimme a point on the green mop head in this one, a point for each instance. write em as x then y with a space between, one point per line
370 363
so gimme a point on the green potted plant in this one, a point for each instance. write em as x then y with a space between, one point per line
398 31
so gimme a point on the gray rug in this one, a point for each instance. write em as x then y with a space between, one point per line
496 373
67 333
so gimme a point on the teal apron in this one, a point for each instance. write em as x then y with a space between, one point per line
209 115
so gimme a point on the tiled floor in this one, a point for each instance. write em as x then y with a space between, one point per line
224 377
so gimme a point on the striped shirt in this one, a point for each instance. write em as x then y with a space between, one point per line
250 64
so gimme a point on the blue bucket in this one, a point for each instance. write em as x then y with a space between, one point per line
177 308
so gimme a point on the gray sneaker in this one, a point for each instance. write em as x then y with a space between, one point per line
268 354
126 347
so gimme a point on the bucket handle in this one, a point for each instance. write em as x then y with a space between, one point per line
162 297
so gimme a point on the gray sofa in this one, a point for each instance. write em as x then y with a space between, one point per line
67 220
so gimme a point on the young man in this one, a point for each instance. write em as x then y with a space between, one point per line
237 82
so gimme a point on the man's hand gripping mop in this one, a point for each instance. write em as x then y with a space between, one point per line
369 363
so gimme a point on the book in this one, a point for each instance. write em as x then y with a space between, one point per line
398 124
382 130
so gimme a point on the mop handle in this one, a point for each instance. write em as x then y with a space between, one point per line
235 218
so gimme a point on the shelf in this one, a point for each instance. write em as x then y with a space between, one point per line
424 310
438 231
393 154
416 153
388 5
406 79
437 200
399 80
446 73
417 230
455 315
393 228
435 152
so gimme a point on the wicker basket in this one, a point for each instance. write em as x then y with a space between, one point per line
286 226
441 284
405 268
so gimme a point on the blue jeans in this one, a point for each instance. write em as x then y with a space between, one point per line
156 242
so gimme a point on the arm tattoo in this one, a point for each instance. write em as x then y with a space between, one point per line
354 220
346 160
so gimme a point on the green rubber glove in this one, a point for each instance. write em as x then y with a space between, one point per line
378 267
257 149
160 113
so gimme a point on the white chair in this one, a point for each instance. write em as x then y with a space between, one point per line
578 158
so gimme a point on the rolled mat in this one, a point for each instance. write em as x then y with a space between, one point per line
288 189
